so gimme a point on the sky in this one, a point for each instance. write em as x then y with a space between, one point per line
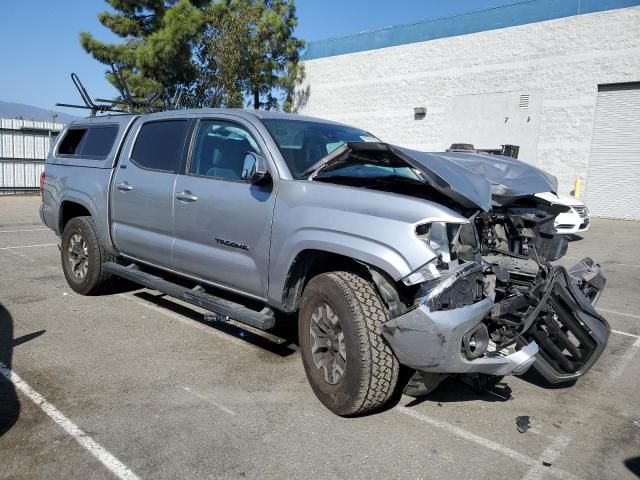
40 47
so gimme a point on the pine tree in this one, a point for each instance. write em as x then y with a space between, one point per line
220 52
248 51
156 54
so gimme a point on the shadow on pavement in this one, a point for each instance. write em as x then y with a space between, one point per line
464 389
534 378
633 464
9 404
284 330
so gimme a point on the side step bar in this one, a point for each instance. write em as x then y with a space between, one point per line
225 308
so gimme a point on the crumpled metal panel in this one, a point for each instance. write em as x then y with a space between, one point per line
473 178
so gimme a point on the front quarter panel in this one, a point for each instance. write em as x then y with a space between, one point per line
374 227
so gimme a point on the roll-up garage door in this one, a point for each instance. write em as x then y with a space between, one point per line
613 178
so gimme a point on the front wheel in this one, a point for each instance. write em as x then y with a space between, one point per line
349 365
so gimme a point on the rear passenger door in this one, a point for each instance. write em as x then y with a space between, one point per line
223 223
142 194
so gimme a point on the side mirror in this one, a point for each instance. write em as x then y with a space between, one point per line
254 169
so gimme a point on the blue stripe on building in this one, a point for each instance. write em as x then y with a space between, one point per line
521 13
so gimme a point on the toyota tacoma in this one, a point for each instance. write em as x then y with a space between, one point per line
441 262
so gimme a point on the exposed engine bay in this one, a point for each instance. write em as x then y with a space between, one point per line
490 301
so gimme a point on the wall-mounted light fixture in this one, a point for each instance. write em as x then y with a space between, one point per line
419 112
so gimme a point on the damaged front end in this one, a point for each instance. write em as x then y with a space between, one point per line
492 302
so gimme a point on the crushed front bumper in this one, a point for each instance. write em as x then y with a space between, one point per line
431 342
562 342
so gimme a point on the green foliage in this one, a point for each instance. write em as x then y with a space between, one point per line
158 41
220 52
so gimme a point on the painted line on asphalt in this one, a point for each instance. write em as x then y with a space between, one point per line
114 465
486 443
207 399
625 360
29 246
625 334
29 230
611 262
549 455
186 321
619 313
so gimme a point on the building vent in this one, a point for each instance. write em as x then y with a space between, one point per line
524 101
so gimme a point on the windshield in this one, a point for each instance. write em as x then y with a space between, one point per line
371 170
302 143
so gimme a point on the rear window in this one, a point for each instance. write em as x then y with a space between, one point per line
159 145
90 142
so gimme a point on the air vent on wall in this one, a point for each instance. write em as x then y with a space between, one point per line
524 101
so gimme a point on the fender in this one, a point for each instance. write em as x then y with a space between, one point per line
364 250
99 217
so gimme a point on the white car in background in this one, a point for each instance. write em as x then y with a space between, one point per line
575 220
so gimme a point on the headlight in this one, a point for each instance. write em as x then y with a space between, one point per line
428 271
439 237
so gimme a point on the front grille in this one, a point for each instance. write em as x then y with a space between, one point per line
582 211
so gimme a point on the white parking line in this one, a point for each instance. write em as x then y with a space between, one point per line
612 262
486 443
625 334
619 313
625 360
114 465
29 230
207 399
29 246
549 455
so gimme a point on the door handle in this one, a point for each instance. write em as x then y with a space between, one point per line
186 197
124 187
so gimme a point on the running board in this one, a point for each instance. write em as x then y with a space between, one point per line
225 309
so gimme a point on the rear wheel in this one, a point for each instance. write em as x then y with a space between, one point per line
82 256
349 365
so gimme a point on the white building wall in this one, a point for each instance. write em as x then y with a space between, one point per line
558 62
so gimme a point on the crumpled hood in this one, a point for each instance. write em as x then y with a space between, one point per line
478 178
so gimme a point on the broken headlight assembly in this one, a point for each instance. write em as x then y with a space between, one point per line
439 237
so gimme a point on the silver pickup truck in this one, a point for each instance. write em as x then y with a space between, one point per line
389 257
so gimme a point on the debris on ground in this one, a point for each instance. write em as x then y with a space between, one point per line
523 423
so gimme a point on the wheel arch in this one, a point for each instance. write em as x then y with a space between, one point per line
78 204
309 263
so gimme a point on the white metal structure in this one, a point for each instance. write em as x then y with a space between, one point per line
24 146
613 181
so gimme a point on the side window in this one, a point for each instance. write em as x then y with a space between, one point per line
71 141
159 145
220 148
99 141
92 142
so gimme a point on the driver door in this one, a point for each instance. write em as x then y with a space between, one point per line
222 224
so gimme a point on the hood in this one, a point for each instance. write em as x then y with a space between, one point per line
477 178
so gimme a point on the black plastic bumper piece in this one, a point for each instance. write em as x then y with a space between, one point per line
227 309
572 335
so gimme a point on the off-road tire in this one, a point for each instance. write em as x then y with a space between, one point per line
96 280
371 370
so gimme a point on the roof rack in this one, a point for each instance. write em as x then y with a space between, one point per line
126 99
